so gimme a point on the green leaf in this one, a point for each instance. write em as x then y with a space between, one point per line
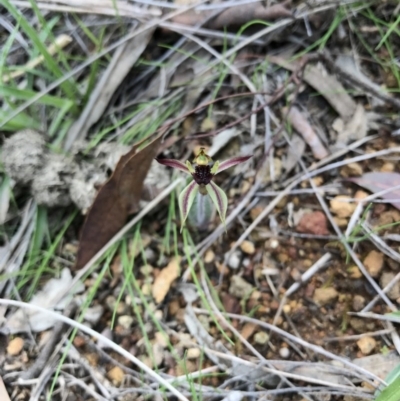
26 94
186 199
50 62
219 198
21 121
391 392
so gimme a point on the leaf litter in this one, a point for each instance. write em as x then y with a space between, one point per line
116 200
23 321
147 85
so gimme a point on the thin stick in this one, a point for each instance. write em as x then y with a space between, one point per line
119 235
330 63
151 24
308 174
315 348
47 350
98 336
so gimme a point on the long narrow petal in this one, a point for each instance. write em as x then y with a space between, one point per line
174 164
232 162
186 199
219 199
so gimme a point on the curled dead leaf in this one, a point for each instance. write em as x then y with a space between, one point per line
304 128
235 16
117 198
385 182
163 281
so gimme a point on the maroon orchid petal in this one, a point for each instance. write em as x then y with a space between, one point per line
232 162
174 164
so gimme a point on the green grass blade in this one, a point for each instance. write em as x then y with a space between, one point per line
26 94
68 86
19 122
391 392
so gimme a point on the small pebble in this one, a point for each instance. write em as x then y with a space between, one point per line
323 296
388 167
248 247
366 345
234 260
360 195
94 314
287 308
146 270
351 170
284 352
116 375
146 289
193 353
358 302
386 278
15 346
342 206
209 256
374 263
354 272
358 324
261 337
150 255
79 341
125 321
239 287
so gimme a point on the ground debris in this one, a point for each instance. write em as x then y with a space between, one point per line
324 296
342 206
248 247
236 15
239 287
116 375
304 128
15 346
119 197
374 263
23 155
313 223
366 344
165 278
386 278
278 289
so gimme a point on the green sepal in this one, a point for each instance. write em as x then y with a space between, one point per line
219 198
186 199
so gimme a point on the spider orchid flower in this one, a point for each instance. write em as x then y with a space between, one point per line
203 171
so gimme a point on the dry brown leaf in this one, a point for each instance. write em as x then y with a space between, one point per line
114 8
117 198
122 61
376 182
354 129
294 154
163 281
248 330
235 16
303 127
325 84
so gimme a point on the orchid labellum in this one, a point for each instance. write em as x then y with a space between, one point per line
203 171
